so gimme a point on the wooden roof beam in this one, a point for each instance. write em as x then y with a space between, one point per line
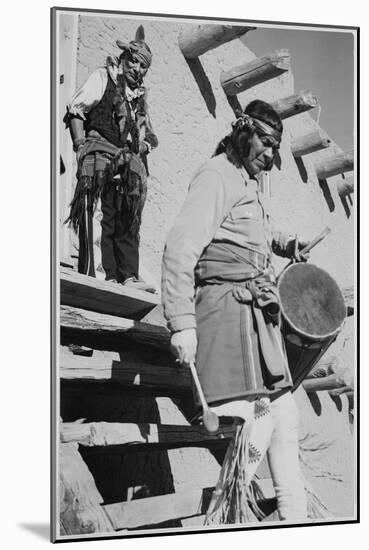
345 186
295 104
196 41
245 76
334 165
323 383
309 143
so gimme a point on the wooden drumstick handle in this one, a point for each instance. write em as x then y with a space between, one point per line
211 420
316 240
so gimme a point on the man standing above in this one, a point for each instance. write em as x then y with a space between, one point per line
112 136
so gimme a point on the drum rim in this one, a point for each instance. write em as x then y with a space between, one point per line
315 337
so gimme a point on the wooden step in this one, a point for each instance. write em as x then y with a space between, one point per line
189 506
167 380
89 293
102 331
154 510
121 436
136 374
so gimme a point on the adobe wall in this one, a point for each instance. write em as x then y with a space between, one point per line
188 133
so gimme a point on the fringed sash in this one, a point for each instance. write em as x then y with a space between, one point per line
100 164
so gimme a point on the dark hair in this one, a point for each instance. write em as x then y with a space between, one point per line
256 109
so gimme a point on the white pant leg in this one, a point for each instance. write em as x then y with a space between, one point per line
260 429
283 457
241 408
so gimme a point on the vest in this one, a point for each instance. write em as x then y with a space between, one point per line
102 118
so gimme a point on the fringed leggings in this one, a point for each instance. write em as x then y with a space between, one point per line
269 427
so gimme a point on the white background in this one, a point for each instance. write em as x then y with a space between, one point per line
24 246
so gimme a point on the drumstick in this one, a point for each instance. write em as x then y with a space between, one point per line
296 247
211 420
315 241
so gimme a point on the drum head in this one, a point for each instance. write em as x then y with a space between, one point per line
311 301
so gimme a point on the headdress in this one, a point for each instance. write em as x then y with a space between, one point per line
138 46
261 128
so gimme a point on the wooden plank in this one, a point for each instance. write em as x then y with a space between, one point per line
154 510
196 41
127 373
102 331
309 143
245 76
91 321
103 296
334 165
322 383
80 501
188 505
166 436
295 104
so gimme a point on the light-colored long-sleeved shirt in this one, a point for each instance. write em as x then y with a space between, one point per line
223 204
